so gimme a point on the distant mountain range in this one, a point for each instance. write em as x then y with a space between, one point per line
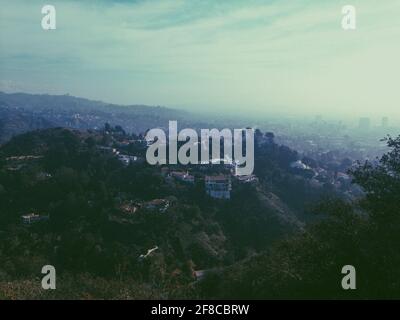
21 112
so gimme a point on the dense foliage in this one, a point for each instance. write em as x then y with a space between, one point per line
253 246
365 234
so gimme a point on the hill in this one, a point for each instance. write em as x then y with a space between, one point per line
102 220
21 112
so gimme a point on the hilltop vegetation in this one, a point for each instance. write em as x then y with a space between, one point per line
365 234
107 239
66 175
21 112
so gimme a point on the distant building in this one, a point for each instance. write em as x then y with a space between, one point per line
299 165
33 218
182 176
218 187
247 179
15 163
364 123
158 204
199 274
43 175
108 150
126 159
23 158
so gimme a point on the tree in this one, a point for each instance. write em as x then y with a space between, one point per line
309 264
381 183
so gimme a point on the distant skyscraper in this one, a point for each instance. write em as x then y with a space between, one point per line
364 123
385 122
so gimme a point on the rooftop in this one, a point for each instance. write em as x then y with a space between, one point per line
219 178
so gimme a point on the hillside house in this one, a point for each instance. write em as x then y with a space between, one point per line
160 205
182 176
108 150
33 218
218 187
127 159
247 179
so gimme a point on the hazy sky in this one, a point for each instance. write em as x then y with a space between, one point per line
281 56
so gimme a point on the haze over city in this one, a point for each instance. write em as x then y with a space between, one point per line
255 57
199 150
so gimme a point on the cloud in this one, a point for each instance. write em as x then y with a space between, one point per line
257 54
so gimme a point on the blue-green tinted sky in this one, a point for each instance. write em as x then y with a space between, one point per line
272 56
